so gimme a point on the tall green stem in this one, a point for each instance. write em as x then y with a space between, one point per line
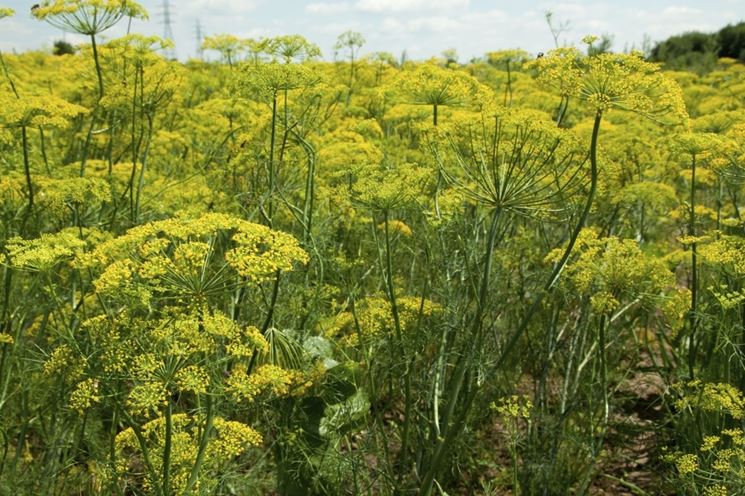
167 450
692 319
272 142
99 73
27 168
202 447
449 427
141 179
400 344
568 251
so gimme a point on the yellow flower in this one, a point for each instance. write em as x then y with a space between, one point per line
713 397
716 490
228 45
686 464
87 17
49 250
37 110
193 378
396 226
709 443
292 47
85 395
265 81
266 378
147 398
430 84
612 80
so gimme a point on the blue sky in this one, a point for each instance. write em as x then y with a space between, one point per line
424 28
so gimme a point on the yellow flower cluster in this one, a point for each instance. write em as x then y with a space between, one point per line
712 397
396 226
246 387
686 464
60 196
49 250
292 47
87 16
37 110
63 362
229 440
232 439
146 398
720 461
193 378
228 45
430 84
482 158
726 252
85 395
700 145
264 82
716 490
164 256
383 189
612 80
513 407
374 319
6 12
612 269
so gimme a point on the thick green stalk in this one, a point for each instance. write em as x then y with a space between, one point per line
508 87
603 371
7 76
202 447
167 450
400 344
99 73
692 318
141 179
351 79
272 142
27 168
142 442
602 331
455 386
570 247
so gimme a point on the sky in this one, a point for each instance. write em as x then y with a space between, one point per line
424 28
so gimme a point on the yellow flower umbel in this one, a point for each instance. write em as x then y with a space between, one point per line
610 80
490 170
177 257
231 439
228 46
430 84
87 17
614 271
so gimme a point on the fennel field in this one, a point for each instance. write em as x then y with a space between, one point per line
273 274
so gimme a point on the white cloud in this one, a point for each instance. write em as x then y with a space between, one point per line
680 10
437 24
327 8
219 8
566 9
409 5
336 28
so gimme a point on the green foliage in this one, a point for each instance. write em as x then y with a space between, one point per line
270 274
